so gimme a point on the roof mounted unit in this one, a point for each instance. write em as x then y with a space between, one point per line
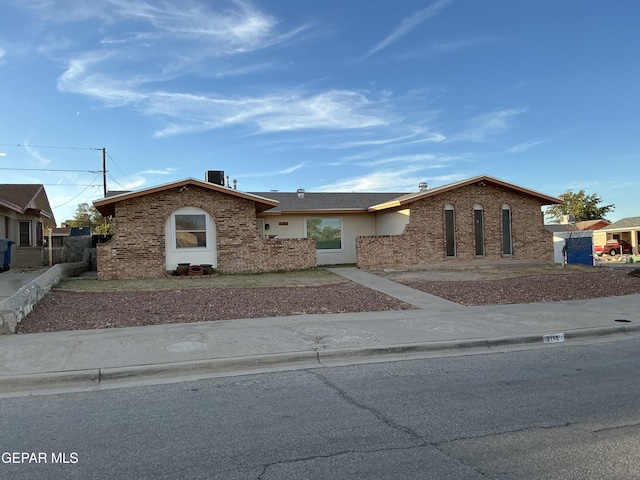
215 176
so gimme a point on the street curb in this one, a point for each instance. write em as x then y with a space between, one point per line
452 345
98 376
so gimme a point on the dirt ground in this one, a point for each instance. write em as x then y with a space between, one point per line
91 304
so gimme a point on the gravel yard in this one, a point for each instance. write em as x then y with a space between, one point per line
74 310
170 301
532 288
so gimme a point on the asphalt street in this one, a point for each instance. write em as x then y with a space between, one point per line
569 412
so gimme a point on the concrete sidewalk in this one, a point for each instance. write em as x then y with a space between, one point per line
96 358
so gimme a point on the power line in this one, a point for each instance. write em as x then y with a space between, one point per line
71 184
46 146
123 187
118 167
72 199
51 170
104 172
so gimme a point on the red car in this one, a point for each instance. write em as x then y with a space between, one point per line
612 247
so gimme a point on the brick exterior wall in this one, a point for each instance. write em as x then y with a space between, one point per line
137 249
423 240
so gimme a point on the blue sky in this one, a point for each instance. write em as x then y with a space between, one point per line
335 95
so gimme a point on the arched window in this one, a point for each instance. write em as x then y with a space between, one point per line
191 229
450 230
507 245
478 228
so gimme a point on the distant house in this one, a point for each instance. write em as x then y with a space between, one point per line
592 224
200 222
626 229
25 217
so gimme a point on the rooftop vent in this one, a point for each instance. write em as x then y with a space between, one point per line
301 193
422 186
215 176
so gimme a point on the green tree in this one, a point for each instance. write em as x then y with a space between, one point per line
580 205
88 216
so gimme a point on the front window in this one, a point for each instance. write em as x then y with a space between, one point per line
39 234
191 230
450 230
506 230
478 229
25 233
327 232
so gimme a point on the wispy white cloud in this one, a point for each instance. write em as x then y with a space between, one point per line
3 52
464 44
272 173
422 160
488 124
408 24
83 78
418 136
400 173
447 48
3 154
521 147
332 110
378 181
237 27
165 171
36 155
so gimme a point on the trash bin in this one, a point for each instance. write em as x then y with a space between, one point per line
5 254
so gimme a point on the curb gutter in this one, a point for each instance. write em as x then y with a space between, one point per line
98 376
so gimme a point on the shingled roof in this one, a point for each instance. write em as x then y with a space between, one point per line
21 197
291 202
624 223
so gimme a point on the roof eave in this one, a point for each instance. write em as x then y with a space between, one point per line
545 199
106 206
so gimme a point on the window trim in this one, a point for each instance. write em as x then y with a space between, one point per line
29 224
327 250
190 211
447 252
508 231
479 235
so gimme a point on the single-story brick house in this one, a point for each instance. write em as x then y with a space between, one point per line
202 222
25 217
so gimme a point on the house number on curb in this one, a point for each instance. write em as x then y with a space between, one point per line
553 338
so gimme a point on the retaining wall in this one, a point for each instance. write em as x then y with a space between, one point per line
18 306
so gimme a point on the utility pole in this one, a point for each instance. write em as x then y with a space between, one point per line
104 171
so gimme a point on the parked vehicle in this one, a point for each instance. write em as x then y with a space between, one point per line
613 247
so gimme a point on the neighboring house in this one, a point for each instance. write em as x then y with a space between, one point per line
573 242
198 222
626 229
573 247
592 224
25 217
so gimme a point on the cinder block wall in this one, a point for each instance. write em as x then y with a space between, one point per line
423 240
137 249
